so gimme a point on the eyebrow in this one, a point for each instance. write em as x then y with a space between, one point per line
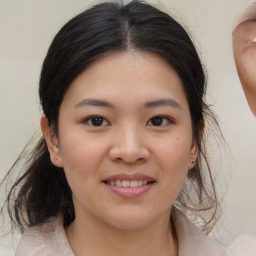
94 102
149 104
162 102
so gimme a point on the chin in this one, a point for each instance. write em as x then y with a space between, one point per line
134 220
130 225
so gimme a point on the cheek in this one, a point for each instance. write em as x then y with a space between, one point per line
81 165
81 157
174 152
173 159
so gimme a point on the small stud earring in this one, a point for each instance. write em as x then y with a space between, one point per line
253 40
193 160
56 158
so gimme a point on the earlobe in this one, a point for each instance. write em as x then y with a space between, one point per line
52 142
193 156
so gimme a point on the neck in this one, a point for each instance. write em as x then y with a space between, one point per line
88 236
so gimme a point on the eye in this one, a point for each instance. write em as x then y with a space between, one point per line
159 121
96 121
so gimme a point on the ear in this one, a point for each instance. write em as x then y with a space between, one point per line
52 142
194 147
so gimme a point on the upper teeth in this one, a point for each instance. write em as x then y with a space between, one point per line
128 183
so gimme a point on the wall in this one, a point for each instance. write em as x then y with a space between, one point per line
26 30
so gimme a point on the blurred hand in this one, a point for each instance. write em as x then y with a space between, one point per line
245 58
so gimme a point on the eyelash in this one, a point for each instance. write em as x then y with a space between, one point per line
163 118
104 122
90 119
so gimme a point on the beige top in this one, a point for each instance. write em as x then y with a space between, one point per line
243 246
49 239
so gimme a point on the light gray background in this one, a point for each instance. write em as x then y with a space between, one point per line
26 30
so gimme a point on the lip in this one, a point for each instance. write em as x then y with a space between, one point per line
129 192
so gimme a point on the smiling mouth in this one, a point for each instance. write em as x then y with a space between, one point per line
129 183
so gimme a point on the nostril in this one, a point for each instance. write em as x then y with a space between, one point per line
129 152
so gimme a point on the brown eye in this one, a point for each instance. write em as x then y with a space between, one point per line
159 121
96 121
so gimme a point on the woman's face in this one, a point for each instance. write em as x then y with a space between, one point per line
125 140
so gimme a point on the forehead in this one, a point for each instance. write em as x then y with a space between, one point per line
127 76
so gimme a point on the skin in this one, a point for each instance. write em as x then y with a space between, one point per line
128 141
245 58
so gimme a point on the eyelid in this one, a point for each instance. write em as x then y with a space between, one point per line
169 120
89 118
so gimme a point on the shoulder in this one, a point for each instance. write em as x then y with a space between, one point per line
47 239
244 245
192 240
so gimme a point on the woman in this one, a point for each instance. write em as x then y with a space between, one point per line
121 159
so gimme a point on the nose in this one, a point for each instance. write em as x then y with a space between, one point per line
129 145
